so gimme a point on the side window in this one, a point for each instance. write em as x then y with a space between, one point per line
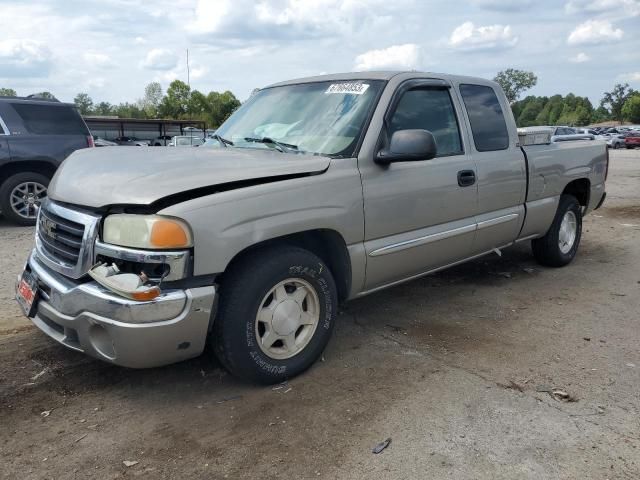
485 115
50 120
429 109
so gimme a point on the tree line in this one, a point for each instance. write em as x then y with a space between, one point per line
622 103
178 102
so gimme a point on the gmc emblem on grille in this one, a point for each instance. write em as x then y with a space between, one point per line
49 227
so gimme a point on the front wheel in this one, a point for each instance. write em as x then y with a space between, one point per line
560 245
21 195
276 314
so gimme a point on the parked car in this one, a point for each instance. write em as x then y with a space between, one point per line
186 141
101 142
632 139
615 141
382 178
211 142
563 134
35 137
131 142
161 141
590 131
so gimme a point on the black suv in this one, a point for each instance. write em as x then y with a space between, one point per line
35 137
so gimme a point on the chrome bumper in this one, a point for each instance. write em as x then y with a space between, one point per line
88 318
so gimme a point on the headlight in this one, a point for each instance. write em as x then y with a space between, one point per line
146 231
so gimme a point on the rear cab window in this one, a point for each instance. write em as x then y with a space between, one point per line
486 117
50 119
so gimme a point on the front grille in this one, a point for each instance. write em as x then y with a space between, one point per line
65 238
61 238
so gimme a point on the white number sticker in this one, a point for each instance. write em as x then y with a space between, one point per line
352 88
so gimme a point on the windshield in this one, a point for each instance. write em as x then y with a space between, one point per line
325 118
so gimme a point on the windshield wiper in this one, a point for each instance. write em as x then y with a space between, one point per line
283 147
223 141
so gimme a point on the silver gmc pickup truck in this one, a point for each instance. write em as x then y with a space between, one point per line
318 190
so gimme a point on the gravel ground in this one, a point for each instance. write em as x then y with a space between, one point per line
454 368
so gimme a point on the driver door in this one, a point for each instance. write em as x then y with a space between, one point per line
419 215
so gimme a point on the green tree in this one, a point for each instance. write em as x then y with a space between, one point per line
616 98
151 100
631 109
175 104
104 109
530 112
222 105
199 108
8 92
128 110
600 115
84 103
515 82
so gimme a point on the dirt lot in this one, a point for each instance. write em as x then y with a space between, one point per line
453 367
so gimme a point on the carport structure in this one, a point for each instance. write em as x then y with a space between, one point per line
143 129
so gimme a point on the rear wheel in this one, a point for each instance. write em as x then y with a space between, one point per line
616 146
21 195
559 246
276 314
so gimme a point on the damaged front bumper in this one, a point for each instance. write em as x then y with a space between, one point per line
86 317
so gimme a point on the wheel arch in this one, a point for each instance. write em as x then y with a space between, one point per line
579 188
36 166
327 244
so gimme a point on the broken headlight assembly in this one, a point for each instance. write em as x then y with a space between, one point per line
138 252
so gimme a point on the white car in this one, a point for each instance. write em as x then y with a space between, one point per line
161 141
616 141
185 141
563 134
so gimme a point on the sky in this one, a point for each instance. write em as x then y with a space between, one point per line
111 49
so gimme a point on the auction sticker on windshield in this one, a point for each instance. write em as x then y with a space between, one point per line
351 88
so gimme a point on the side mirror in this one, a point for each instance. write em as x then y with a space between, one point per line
408 146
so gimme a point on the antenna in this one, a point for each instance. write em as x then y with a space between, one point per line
188 74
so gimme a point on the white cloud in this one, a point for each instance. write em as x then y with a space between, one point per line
630 7
395 57
209 15
160 59
503 5
24 58
630 77
594 32
96 58
580 58
140 40
298 19
469 37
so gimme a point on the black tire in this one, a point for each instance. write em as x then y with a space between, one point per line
9 185
547 249
234 338
616 146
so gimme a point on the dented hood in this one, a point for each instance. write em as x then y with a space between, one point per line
97 177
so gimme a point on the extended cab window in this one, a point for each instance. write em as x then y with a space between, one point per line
485 115
50 119
429 109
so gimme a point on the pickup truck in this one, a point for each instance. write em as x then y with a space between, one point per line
321 190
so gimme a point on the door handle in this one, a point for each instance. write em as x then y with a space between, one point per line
466 178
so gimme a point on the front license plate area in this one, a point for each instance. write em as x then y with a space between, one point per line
27 293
